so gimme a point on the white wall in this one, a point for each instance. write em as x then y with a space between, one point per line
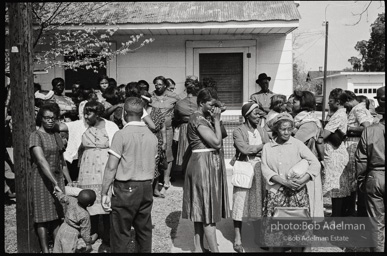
167 56
274 57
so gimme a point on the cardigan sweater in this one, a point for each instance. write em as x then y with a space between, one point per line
76 130
241 142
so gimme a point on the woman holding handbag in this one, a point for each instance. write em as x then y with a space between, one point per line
249 139
278 157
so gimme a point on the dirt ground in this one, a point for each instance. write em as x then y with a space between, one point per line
165 217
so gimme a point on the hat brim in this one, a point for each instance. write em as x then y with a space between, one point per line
268 78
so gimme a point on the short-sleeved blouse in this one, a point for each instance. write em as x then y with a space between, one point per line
195 141
338 120
358 115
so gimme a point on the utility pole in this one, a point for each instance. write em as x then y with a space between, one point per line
325 71
23 119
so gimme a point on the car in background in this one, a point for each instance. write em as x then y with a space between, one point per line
319 100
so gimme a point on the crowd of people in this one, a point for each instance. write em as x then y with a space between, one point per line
119 143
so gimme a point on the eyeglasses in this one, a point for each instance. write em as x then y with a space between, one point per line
158 84
49 118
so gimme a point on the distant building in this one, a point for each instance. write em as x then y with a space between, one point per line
361 83
232 42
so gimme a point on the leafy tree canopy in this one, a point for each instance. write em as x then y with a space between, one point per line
84 45
372 52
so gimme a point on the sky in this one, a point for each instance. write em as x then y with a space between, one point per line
342 34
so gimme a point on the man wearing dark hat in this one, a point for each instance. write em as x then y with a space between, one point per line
262 98
370 168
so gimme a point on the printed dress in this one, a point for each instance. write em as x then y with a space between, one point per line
205 196
247 203
158 119
95 143
46 206
336 180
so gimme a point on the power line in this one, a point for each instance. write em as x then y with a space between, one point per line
309 47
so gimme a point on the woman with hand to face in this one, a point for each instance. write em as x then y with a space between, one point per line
205 199
48 171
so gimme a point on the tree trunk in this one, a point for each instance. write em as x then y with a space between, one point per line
23 120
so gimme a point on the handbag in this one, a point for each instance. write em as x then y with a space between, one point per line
291 212
336 138
242 174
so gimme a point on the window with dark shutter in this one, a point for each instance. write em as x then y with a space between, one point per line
227 70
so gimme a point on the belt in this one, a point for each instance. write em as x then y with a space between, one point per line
125 181
203 150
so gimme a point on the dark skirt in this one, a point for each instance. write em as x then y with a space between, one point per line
205 196
183 144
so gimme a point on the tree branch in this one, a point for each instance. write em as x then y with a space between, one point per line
361 14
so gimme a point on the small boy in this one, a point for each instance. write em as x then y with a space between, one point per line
77 221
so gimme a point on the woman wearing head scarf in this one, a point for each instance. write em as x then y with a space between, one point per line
278 157
249 139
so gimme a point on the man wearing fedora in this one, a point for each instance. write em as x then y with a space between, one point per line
262 98
370 168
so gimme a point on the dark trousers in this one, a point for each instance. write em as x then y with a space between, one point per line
131 206
361 204
73 169
344 206
375 203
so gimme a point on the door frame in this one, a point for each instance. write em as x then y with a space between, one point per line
194 48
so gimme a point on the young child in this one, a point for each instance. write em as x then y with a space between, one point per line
77 221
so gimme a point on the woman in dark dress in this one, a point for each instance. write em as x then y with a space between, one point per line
48 170
205 198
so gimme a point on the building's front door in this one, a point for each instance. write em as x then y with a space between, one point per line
226 69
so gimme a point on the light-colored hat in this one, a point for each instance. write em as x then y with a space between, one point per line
282 116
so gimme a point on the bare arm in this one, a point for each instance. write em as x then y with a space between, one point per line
109 174
358 130
148 120
110 110
164 133
214 140
66 172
